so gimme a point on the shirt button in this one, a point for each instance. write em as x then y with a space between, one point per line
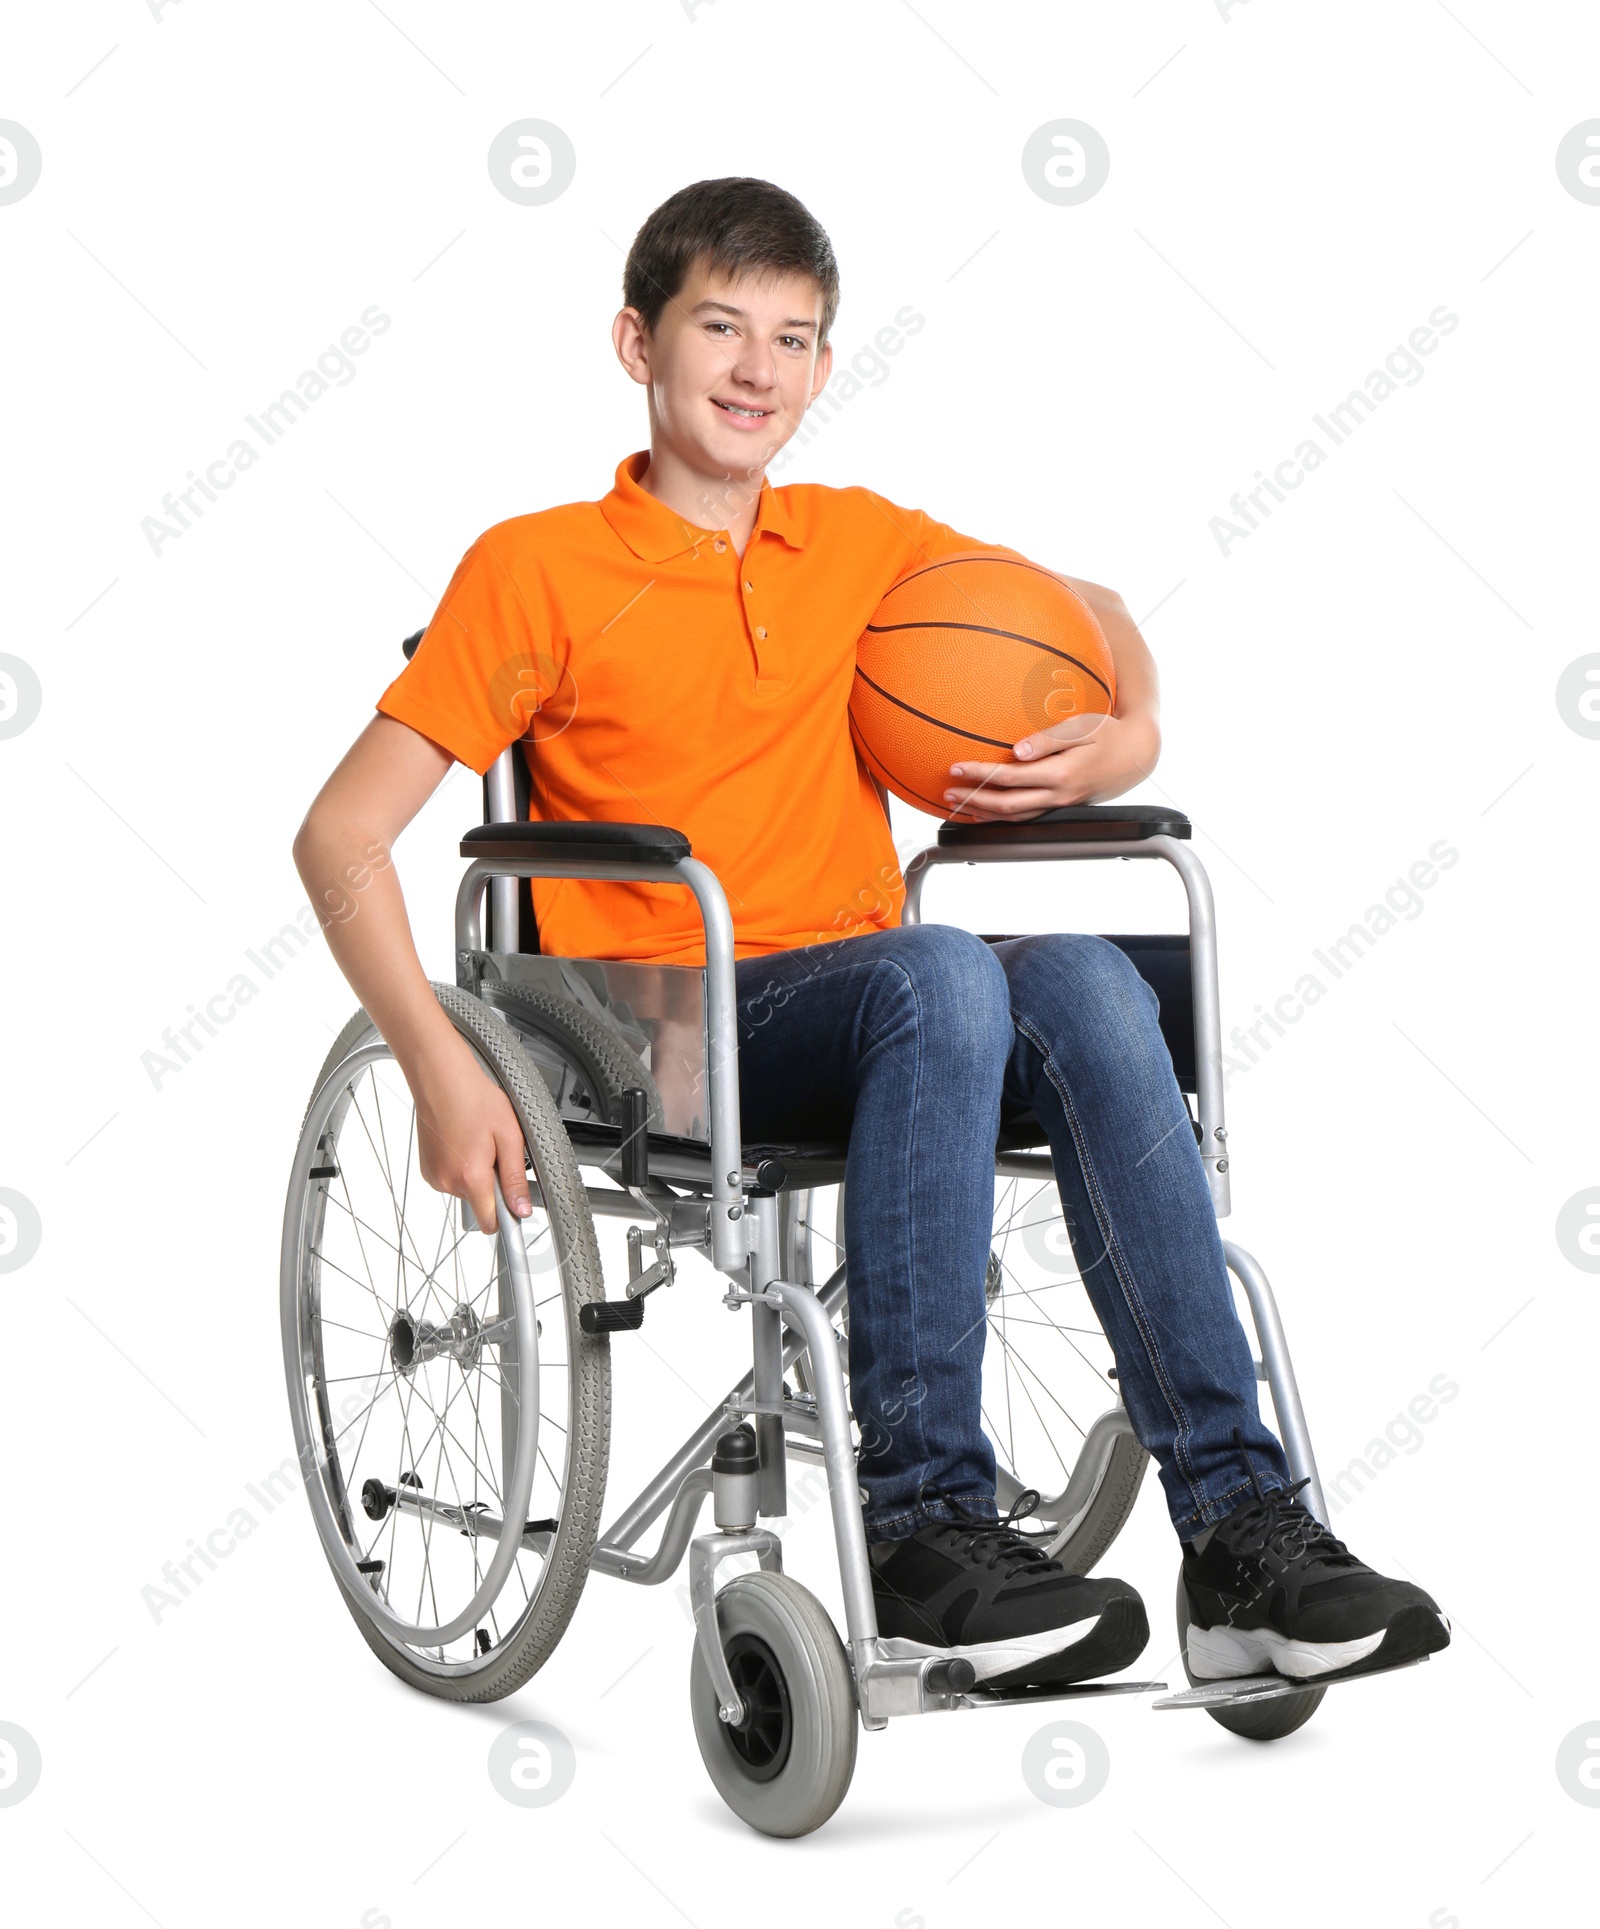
762 634
749 586
719 545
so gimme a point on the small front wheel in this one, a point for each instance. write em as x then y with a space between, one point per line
785 1768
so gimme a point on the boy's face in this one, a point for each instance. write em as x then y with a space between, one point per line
731 368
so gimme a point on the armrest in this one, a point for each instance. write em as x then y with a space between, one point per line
637 843
1075 824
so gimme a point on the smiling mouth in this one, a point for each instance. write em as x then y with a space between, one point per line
744 414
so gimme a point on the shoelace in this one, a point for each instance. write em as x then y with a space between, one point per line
1012 1550
1276 1523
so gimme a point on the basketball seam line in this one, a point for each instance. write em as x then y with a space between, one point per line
1011 562
987 556
934 809
988 629
939 723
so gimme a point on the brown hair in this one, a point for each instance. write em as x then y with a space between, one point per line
738 225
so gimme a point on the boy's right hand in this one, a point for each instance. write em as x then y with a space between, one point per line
467 1132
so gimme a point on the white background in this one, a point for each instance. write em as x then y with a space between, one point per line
1374 669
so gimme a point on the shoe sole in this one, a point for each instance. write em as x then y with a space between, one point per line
1116 1640
1224 1653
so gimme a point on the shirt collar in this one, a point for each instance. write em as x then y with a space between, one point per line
656 533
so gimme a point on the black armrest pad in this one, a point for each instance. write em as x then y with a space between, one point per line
1075 823
638 843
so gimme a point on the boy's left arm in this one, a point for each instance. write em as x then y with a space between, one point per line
1088 760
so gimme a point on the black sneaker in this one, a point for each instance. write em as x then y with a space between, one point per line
1274 1592
983 1589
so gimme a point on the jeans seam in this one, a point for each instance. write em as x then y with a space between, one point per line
1205 1516
1119 1266
924 1514
908 1170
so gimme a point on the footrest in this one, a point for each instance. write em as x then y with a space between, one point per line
611 1315
905 1677
1050 1691
1268 1687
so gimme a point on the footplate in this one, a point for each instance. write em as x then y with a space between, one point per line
1268 1687
898 1677
1072 1691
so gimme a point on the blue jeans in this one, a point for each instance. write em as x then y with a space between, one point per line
916 1043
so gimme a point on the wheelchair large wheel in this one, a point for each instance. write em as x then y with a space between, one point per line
451 1418
786 1767
1047 1374
586 1066
1255 1720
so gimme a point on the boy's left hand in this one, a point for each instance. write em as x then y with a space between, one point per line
1085 760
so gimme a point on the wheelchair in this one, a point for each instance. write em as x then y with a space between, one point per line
450 1394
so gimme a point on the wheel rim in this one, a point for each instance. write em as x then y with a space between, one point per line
413 1352
761 1741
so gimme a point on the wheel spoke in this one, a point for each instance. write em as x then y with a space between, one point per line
379 1245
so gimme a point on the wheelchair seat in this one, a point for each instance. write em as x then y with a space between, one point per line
657 1012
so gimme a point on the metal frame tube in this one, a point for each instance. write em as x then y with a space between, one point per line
649 1569
648 1506
766 1339
1202 959
505 914
1292 1428
729 1241
705 1555
805 1310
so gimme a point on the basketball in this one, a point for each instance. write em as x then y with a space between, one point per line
965 657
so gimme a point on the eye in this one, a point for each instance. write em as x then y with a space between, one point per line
799 341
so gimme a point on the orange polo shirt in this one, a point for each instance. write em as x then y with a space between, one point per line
651 675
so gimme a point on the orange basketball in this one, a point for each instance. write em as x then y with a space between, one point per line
965 657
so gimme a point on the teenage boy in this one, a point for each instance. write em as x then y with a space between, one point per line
681 653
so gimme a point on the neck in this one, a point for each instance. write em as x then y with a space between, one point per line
707 500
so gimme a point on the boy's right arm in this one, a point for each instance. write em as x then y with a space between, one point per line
466 1129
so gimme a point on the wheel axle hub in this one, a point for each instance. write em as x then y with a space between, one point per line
413 1342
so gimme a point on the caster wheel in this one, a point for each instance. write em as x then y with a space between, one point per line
786 1767
1255 1720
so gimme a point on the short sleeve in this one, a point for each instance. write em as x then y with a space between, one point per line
924 539
486 663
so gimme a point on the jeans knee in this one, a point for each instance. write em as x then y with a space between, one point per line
958 987
1086 980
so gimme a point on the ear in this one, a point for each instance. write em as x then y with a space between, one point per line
632 344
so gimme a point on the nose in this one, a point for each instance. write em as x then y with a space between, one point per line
753 367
